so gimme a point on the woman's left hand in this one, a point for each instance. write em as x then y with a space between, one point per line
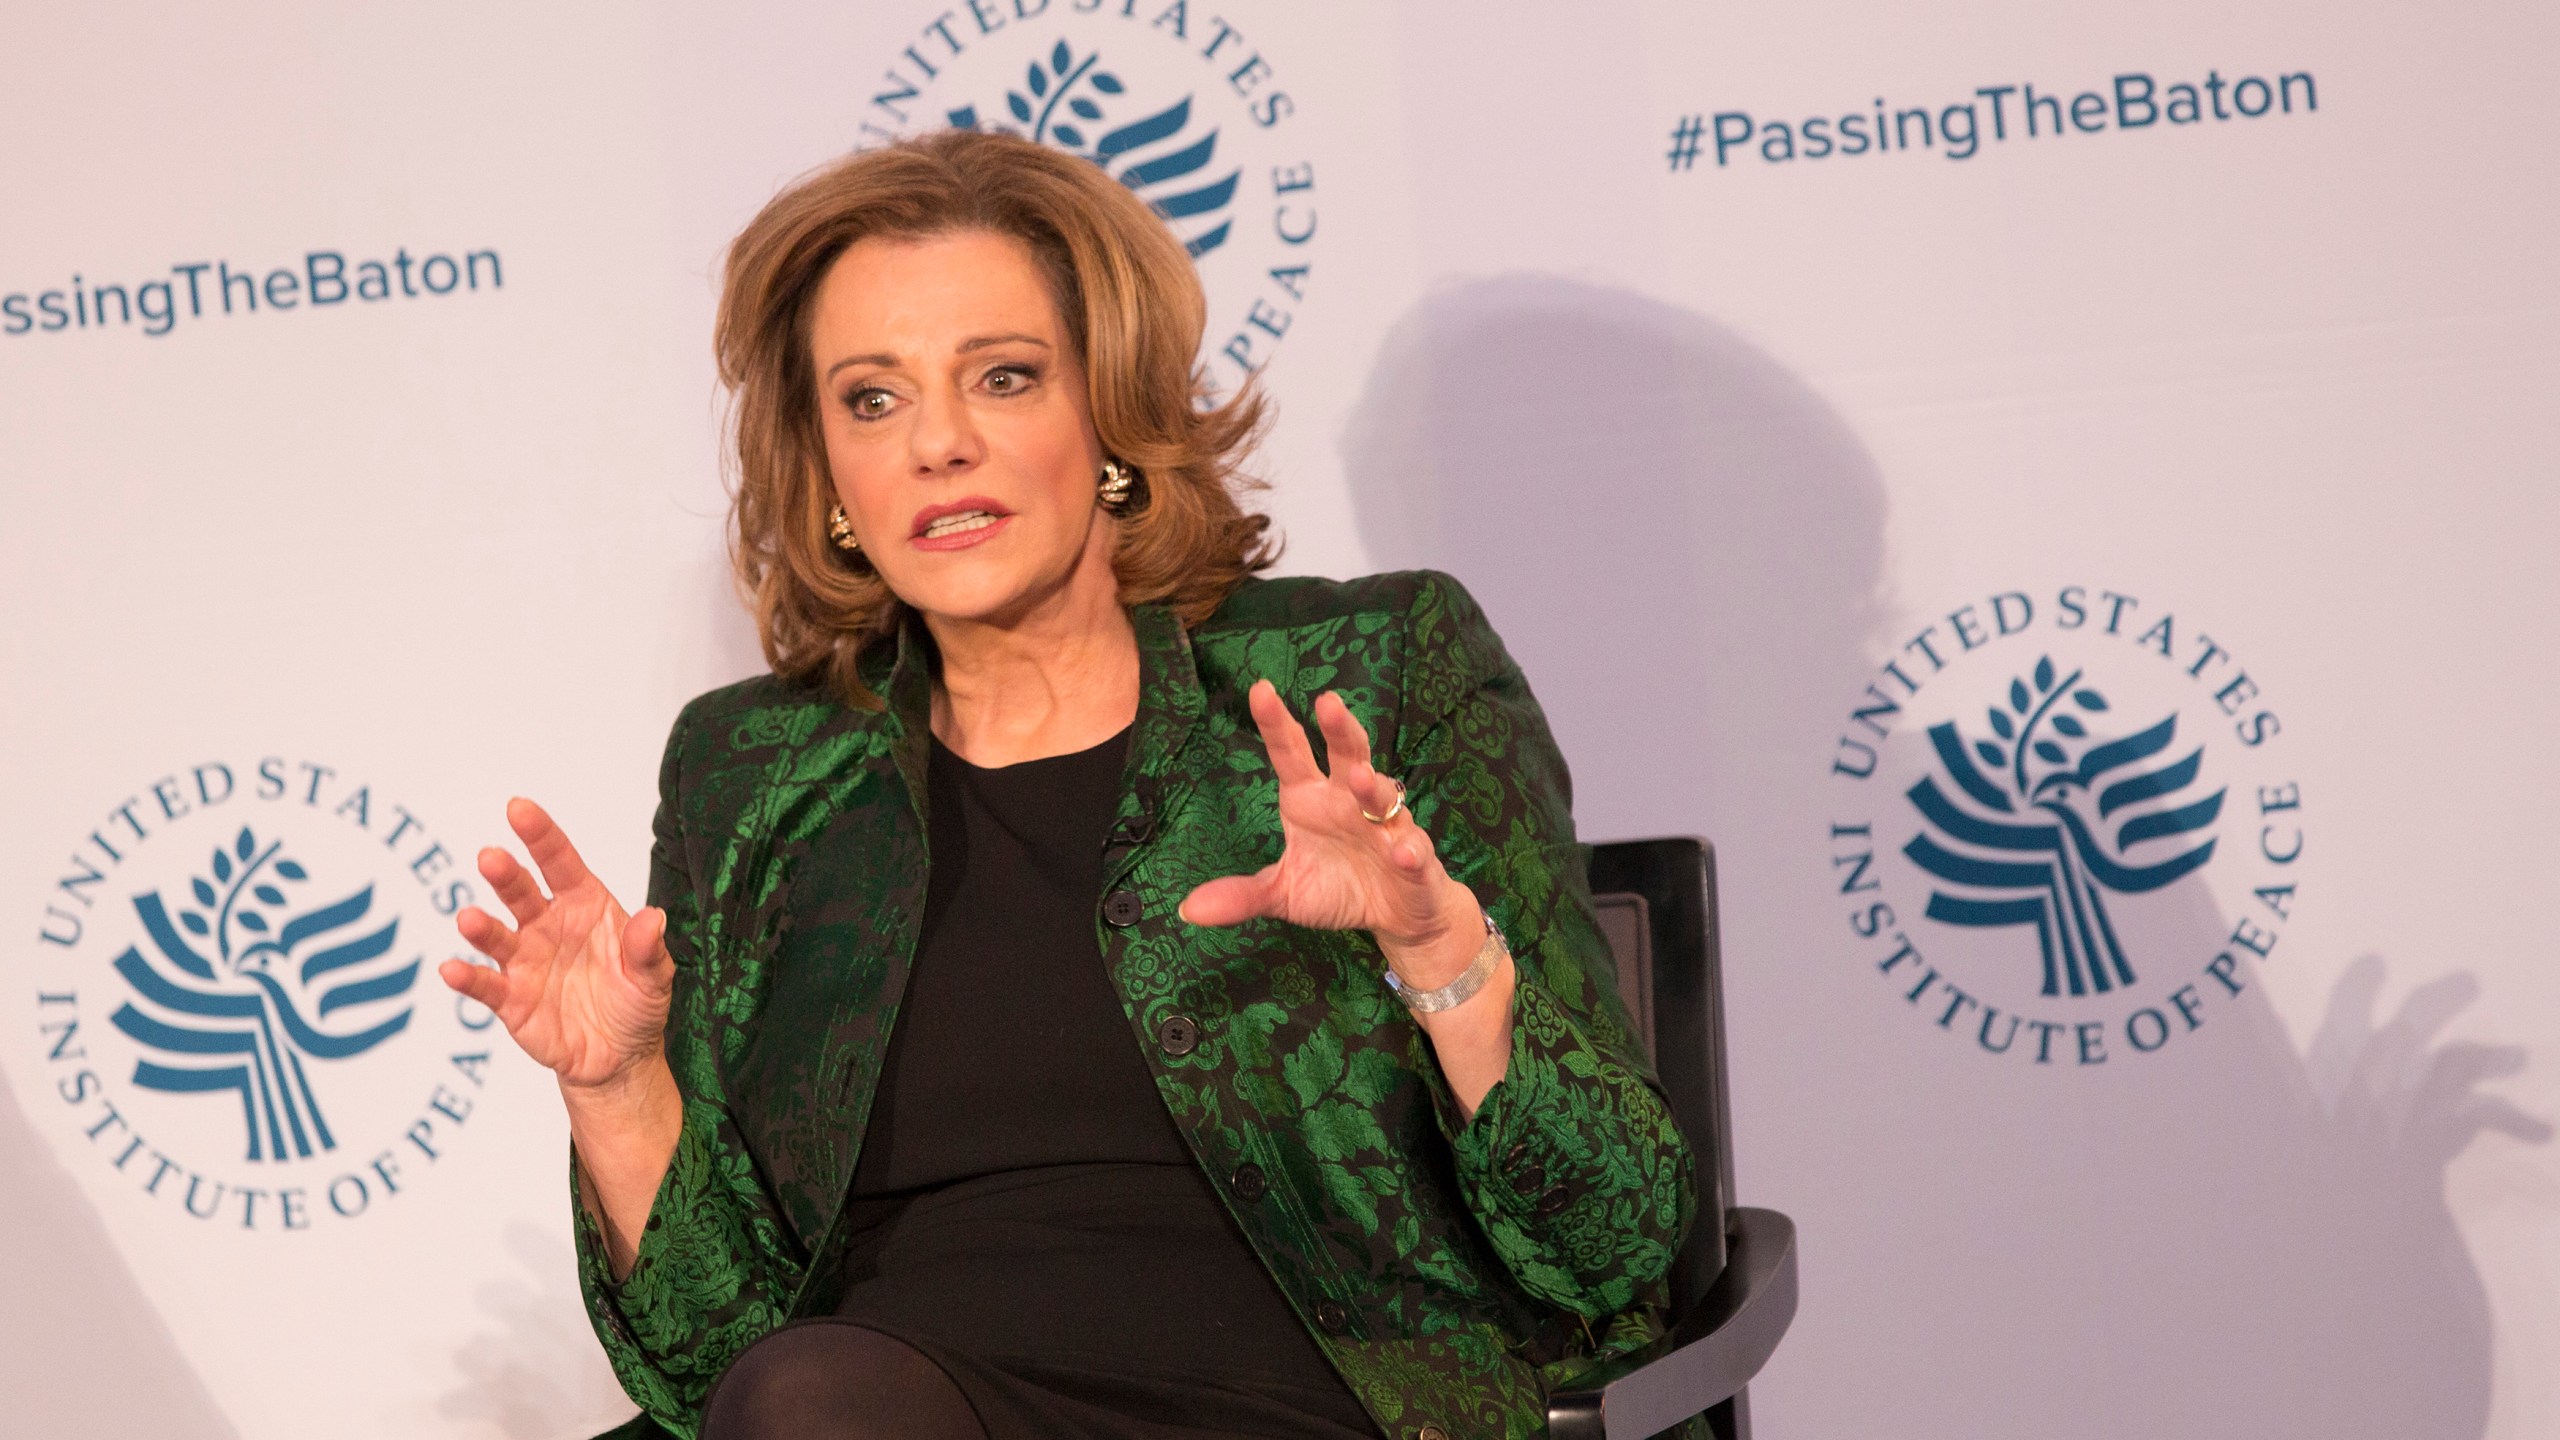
1339 870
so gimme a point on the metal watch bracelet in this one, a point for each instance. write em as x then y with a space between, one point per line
1462 989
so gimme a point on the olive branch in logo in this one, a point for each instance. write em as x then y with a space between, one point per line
1066 71
1163 178
245 1017
2032 768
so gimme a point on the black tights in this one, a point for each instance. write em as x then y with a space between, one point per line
831 1379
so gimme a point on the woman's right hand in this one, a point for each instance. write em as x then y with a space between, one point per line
582 985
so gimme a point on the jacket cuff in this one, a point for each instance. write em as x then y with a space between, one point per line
1571 1165
689 1304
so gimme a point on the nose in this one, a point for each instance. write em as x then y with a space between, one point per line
944 440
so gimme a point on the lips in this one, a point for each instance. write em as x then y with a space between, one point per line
960 524
956 517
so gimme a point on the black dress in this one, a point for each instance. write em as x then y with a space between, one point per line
1027 1214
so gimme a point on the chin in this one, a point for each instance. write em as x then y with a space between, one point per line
981 594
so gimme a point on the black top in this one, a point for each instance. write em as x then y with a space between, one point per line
1022 1195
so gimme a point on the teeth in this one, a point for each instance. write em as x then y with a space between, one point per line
956 523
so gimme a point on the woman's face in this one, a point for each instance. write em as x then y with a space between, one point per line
957 430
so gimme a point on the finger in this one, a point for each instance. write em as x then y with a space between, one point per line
1411 852
1346 743
644 952
1346 740
562 869
1292 758
514 884
483 933
477 981
1232 899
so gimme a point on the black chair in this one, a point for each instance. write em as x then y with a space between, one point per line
1733 1288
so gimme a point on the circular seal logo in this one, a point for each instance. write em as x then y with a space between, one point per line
233 1001
1185 110
2063 827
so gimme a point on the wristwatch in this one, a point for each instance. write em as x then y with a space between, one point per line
1462 989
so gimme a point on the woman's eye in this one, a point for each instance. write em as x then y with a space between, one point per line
1008 380
870 403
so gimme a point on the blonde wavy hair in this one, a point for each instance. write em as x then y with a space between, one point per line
1133 310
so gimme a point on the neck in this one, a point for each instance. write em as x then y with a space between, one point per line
1060 677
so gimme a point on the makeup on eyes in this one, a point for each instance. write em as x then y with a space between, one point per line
1026 374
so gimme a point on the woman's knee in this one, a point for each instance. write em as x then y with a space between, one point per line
828 1380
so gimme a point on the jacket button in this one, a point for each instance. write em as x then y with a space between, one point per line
1553 1202
1122 908
1331 1315
1430 1432
1178 1035
1249 1182
1531 1180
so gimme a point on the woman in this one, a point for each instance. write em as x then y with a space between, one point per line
1180 1084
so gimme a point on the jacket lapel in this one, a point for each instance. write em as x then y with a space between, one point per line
908 689
1170 704
831 908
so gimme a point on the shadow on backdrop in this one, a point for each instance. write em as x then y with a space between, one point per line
87 1352
535 1372
1684 547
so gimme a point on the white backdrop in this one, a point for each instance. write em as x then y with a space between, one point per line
1766 426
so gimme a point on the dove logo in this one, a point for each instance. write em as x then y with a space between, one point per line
242 1017
2024 838
229 1003
1187 111
2034 797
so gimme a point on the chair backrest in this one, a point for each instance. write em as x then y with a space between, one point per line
1657 905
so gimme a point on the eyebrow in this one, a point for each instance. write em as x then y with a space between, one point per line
975 342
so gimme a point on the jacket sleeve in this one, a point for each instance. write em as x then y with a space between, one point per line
716 1267
1572 1166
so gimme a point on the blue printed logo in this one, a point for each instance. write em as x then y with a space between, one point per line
2047 835
278 987
2063 827
229 1009
1152 155
1187 112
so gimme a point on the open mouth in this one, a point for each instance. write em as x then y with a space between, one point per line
960 522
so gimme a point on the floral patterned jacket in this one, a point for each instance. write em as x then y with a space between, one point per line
1451 1269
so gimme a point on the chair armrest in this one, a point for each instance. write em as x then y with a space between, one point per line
1708 1357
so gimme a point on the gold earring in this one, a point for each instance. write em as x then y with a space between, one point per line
840 530
1119 483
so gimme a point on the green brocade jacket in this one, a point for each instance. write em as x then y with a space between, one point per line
1452 1269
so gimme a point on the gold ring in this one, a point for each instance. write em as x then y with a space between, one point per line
1392 810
